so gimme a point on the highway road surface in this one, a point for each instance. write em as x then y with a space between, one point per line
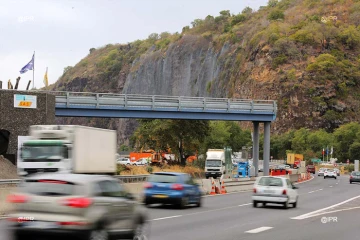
232 216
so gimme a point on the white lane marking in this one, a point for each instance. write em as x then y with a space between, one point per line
260 229
195 213
245 204
337 183
157 219
316 190
330 186
307 215
340 210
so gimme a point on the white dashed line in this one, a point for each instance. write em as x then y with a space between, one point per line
157 219
316 190
260 229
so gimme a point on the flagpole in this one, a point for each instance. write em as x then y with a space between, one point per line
34 71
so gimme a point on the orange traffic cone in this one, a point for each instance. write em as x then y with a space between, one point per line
212 188
223 190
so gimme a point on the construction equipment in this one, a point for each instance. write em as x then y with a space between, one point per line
294 159
154 157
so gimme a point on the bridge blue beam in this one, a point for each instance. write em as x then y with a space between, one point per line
110 112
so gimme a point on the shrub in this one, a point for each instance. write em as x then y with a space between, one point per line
237 19
279 61
350 37
276 15
323 63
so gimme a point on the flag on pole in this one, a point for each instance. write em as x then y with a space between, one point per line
29 66
327 150
323 151
46 82
332 150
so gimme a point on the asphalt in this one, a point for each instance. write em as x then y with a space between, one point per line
231 216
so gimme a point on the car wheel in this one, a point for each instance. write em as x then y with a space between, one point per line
198 204
324 177
255 204
350 182
142 231
99 234
183 202
295 203
286 205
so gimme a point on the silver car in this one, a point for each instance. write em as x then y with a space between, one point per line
321 171
88 207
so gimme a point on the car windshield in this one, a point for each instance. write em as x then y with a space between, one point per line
163 178
213 163
49 188
330 170
356 174
270 181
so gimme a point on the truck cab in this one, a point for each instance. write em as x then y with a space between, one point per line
44 156
215 163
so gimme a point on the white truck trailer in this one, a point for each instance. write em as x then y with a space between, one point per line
215 163
68 148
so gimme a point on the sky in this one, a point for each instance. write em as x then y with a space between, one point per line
61 32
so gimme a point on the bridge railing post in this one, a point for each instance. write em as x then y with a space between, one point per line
97 101
125 101
204 102
251 106
67 99
153 102
228 105
179 99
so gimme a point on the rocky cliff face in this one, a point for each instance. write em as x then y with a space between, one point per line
310 68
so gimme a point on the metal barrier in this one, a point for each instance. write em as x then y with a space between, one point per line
159 102
10 181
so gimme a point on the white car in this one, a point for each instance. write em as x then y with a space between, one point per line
321 171
273 189
330 173
337 171
124 161
141 162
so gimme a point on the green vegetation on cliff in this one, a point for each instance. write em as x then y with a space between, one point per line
303 53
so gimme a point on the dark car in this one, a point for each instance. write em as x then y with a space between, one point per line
179 189
310 169
354 177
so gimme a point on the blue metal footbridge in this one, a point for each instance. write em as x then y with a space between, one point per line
109 105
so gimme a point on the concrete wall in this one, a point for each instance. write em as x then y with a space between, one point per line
18 120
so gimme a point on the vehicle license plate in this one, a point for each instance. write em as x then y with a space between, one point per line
40 224
268 191
160 196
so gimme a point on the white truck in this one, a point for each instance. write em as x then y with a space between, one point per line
215 163
68 148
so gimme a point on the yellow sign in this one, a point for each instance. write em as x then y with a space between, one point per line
25 101
25 104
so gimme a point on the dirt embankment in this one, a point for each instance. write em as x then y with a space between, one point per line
7 169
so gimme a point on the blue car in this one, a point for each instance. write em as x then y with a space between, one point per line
179 189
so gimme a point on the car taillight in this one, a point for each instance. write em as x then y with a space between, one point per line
351 176
16 198
254 190
78 202
148 185
284 192
72 223
177 187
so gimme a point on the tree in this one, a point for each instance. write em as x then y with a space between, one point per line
318 140
300 140
219 135
272 3
354 150
345 136
247 10
350 37
182 135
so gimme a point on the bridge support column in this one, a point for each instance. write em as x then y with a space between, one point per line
266 148
256 148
